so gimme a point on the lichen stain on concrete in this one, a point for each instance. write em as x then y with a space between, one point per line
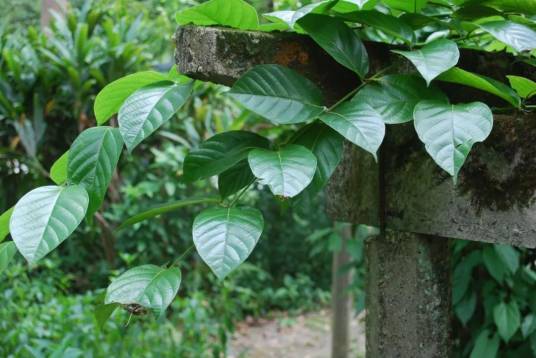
500 173
291 53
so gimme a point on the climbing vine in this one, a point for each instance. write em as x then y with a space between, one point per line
427 33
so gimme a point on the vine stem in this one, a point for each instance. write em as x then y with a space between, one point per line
235 200
184 254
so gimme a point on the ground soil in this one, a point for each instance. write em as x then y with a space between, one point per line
302 336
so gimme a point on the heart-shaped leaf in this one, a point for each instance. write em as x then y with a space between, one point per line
219 153
225 237
339 40
148 108
394 97
58 171
279 94
449 131
526 88
4 224
519 37
7 252
93 157
359 123
389 24
434 58
459 76
111 97
232 13
149 286
45 217
507 319
235 178
327 146
287 171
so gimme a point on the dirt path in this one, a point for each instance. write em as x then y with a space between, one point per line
305 336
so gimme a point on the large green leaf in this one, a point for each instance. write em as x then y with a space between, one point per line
287 171
93 157
58 171
389 24
358 122
526 88
406 5
434 58
394 97
291 17
509 256
4 224
449 131
527 7
327 146
219 153
462 77
148 108
339 40
225 237
111 97
165 208
485 345
45 217
7 252
234 179
279 94
232 13
507 319
495 266
149 286
519 37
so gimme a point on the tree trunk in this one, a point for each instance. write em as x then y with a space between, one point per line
48 7
341 299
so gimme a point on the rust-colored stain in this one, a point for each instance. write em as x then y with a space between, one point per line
291 53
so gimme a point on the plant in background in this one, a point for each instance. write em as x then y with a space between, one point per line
299 161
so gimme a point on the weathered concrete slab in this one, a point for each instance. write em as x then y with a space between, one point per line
408 296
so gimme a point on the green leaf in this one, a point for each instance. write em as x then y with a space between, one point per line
291 17
45 217
459 76
104 312
327 146
339 40
529 325
279 94
389 24
165 208
93 158
234 179
434 58
486 347
148 108
7 252
507 319
509 256
287 171
449 131
406 5
4 224
466 307
394 97
149 286
495 266
527 7
111 97
225 237
359 123
519 37
524 87
232 13
219 153
58 171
